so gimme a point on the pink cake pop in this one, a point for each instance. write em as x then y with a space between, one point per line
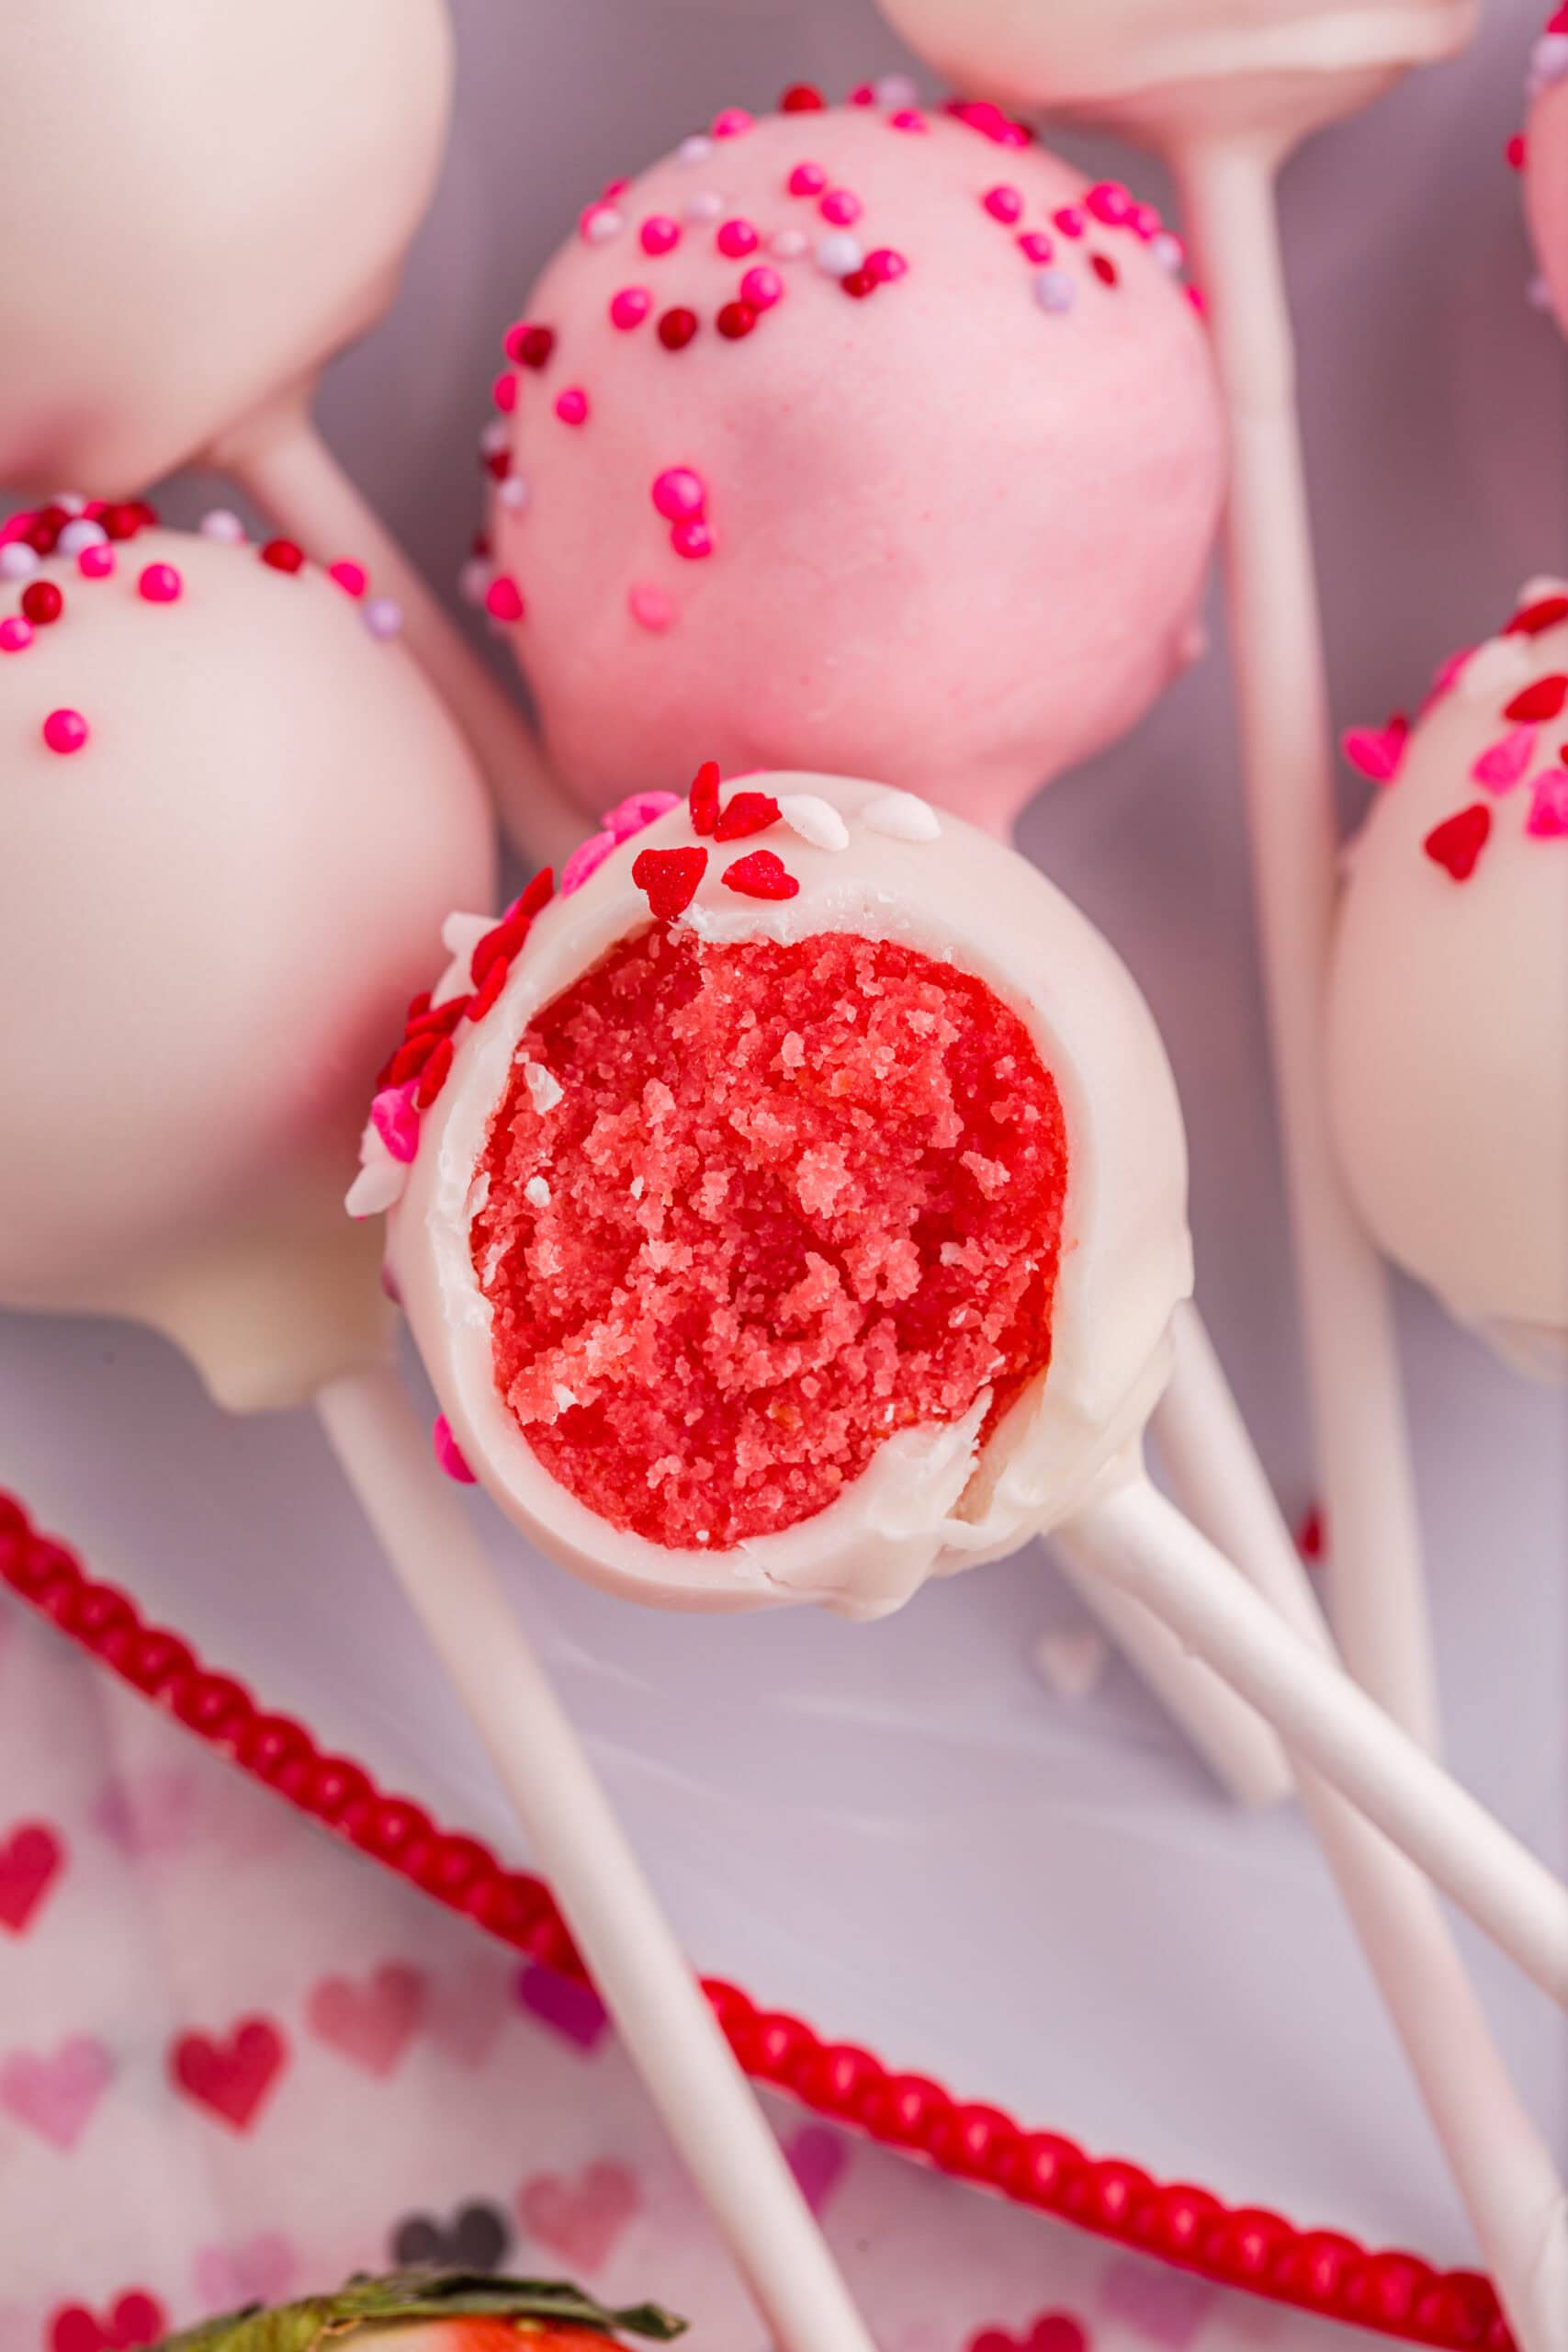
796 1210
880 445
202 206
232 822
1546 160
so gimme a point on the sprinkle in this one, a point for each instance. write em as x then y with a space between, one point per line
17 559
395 1122
1109 201
676 329
434 1074
907 119
1377 752
669 878
1069 219
15 634
1457 841
659 233
42 603
703 797
1003 204
734 321
1548 819
630 307
691 539
706 205
762 288
571 406
513 493
679 491
600 222
788 244
449 1453
894 90
801 98
841 207
483 998
351 578
529 346
839 254
382 616
461 933
815 819
732 123
807 180
1499 667
1169 251
736 239
1035 246
65 731
503 391
697 149
1502 764
638 811
503 599
282 555
1104 268
159 584
537 1193
585 860
744 813
902 815
859 283
544 1089
379 1185
650 607
80 535
223 523
1541 610
762 874
1054 291
474 579
1542 698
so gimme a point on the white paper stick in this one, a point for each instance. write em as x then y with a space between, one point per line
691 2076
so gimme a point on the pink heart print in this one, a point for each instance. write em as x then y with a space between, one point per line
260 2271
583 2219
466 2010
56 2094
151 1813
372 2021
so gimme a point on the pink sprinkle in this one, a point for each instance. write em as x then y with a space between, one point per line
503 599
1377 752
637 810
1003 204
1109 201
907 119
1548 819
762 288
650 608
1198 298
731 122
586 859
659 233
351 578
841 207
735 238
449 1453
396 1121
503 391
1502 764
807 180
885 264
630 307
691 539
1035 246
160 583
65 730
612 190
862 95
15 634
1069 219
571 406
678 492
599 223
1146 221
96 562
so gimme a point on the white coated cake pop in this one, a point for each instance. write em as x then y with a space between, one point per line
1448 1009
231 824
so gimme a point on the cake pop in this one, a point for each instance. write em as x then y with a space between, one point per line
795 1209
785 393
1448 1026
233 820
203 207
1225 89
1546 161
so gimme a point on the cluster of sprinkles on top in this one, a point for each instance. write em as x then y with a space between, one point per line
1530 706
824 223
93 530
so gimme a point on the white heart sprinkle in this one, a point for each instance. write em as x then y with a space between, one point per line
1499 667
903 817
815 819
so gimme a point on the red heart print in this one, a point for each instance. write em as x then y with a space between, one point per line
31 1857
581 2218
135 2317
229 2077
371 2023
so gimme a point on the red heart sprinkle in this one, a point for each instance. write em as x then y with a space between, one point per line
1532 619
282 555
704 798
1542 698
670 877
734 321
1457 841
745 812
761 875
676 329
434 1075
529 346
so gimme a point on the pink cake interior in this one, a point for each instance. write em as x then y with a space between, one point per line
790 1200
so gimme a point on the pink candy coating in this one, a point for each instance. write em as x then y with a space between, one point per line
65 730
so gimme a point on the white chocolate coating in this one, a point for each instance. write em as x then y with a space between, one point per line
925 1505
211 918
1447 1029
202 205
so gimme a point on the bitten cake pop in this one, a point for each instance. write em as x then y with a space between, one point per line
794 1209
202 206
232 822
1546 161
882 445
1449 1012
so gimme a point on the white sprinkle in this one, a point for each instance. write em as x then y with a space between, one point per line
1549 62
537 1193
896 90
544 1088
221 523
378 1187
788 244
837 254
815 819
603 224
706 205
494 437
1543 584
82 533
697 149
903 817
1054 291
564 1398
637 1188
381 617
513 493
17 559
460 935
474 579
1168 251
1499 667
70 502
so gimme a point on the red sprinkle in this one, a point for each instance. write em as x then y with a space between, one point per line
676 329
1457 841
1104 268
859 283
42 602
1514 151
283 555
744 813
434 1075
762 874
1542 698
1532 619
529 346
735 320
801 98
704 798
121 521
669 879
490 988
65 730
536 895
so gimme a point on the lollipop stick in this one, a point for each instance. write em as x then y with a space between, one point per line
1501 2165
693 2079
1379 1604
282 462
1143 1544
